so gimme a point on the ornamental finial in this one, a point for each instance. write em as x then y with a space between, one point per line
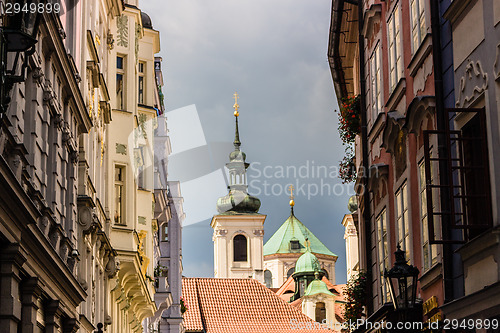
236 106
292 202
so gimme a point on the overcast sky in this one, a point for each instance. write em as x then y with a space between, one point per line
273 53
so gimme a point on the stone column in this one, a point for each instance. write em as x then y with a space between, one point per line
11 260
52 317
30 292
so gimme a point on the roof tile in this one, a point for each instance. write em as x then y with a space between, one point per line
238 305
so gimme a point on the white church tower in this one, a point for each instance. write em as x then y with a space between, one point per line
238 228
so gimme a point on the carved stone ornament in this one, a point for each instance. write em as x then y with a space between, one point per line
393 126
221 232
258 232
122 34
496 65
85 217
472 84
111 267
37 75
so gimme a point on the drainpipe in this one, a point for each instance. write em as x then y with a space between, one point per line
364 147
442 125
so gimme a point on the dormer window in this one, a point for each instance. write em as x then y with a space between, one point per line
294 245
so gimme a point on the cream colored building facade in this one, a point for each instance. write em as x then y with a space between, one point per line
226 228
88 28
351 245
130 162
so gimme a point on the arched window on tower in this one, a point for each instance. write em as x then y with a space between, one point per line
240 248
268 278
290 272
320 312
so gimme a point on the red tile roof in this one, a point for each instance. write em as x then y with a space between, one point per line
239 305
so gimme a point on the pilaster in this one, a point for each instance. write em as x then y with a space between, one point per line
11 260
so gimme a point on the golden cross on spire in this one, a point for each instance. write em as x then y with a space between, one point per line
292 202
236 106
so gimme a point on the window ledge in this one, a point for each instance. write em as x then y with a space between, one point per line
430 276
480 245
123 227
120 110
420 55
396 95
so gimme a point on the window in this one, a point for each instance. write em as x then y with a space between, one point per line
383 253
268 278
119 194
429 251
376 82
417 23
395 56
240 248
140 99
475 175
294 245
165 233
120 83
320 312
402 220
290 272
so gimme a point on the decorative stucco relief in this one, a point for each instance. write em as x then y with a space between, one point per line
472 84
122 35
496 65
422 74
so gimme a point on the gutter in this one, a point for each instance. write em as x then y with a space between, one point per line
364 149
442 125
341 90
334 58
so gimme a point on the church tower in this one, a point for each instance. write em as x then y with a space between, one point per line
238 227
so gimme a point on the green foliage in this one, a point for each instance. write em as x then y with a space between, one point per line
356 296
349 127
347 168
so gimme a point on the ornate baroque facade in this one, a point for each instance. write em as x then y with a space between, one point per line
78 233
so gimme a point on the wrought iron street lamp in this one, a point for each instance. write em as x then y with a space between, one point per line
17 35
403 279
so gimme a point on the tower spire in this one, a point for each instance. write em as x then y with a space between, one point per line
292 202
237 200
236 107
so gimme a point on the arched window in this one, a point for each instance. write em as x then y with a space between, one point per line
290 272
240 248
268 278
320 312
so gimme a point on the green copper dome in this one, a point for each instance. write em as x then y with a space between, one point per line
317 287
237 201
307 263
294 230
